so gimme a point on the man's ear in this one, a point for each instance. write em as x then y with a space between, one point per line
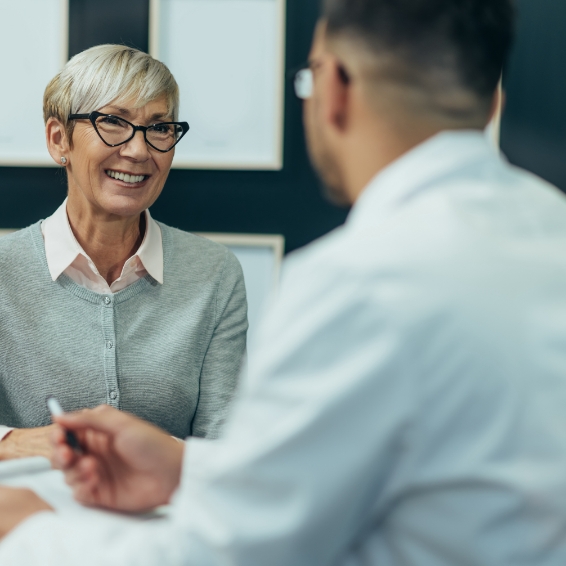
337 94
57 141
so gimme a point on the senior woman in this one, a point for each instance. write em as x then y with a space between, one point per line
99 303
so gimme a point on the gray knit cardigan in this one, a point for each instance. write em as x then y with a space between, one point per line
169 353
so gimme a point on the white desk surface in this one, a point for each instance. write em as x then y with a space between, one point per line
51 487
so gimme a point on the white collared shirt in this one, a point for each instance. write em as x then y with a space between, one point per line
66 256
405 402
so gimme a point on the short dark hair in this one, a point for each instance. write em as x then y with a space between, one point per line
470 39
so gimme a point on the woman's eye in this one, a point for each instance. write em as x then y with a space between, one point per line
111 121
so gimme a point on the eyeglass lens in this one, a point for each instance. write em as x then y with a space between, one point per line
115 131
304 83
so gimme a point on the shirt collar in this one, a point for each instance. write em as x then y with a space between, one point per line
150 253
421 167
62 248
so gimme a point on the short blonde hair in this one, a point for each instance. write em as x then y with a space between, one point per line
108 74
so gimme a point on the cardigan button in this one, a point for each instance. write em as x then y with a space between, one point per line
113 394
107 300
110 344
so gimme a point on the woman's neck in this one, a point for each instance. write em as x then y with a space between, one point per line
108 240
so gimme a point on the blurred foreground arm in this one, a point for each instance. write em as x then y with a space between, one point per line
128 464
16 505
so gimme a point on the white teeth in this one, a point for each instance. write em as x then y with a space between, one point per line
127 178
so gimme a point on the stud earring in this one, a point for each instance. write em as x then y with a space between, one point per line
64 160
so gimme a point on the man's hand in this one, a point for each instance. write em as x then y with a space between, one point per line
127 465
16 505
25 442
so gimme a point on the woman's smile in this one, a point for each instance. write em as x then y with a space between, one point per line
128 179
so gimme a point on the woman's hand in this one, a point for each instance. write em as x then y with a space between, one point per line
127 464
16 505
26 442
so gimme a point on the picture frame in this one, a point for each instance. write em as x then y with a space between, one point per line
228 57
30 64
261 257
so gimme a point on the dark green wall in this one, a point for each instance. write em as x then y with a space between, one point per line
533 134
289 202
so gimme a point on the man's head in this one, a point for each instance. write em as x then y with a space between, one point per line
388 74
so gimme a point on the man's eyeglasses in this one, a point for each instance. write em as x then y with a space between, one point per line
114 131
303 78
303 83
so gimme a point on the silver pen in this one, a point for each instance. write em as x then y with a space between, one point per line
56 411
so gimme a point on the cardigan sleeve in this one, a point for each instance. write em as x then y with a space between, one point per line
225 353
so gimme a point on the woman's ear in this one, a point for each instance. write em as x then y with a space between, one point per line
57 141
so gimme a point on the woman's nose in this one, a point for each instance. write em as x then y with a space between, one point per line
136 148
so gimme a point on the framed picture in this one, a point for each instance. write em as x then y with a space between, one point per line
260 257
34 51
228 57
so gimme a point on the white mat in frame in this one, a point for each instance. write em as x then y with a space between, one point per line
228 57
34 46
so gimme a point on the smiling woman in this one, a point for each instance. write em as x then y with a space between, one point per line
99 303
